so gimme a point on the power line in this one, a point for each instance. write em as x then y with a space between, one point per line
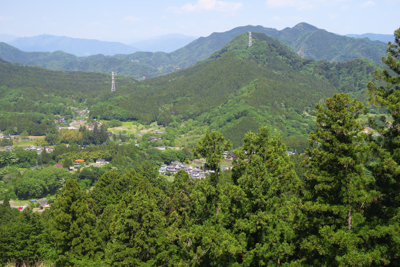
112 82
250 39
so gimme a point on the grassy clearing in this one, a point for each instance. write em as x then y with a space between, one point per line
135 128
24 143
187 139
20 202
168 178
27 142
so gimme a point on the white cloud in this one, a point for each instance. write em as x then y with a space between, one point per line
368 4
209 5
130 19
5 18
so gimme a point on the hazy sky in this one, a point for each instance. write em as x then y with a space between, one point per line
126 20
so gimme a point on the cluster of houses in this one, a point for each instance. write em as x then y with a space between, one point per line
60 120
5 136
39 149
87 127
82 112
43 205
78 162
155 138
197 173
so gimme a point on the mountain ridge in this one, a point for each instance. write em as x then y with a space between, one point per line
305 39
385 38
266 84
75 46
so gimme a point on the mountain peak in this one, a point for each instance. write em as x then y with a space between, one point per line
262 45
305 27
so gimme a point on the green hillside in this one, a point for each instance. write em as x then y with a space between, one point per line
239 88
31 96
235 90
306 40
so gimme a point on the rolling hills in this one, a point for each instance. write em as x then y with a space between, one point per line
306 40
385 38
237 89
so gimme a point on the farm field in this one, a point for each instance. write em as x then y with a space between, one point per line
135 128
27 142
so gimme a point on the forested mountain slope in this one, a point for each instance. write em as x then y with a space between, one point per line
31 96
306 40
374 37
80 86
239 88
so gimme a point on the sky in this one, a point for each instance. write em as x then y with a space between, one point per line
130 20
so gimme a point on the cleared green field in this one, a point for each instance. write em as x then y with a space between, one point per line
24 143
135 128
20 202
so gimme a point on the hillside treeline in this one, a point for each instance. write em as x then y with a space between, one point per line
267 83
31 123
236 90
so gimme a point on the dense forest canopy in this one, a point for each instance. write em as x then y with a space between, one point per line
267 82
235 90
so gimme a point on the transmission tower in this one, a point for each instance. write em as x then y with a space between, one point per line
112 82
250 40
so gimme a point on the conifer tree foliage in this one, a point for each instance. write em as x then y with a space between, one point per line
6 201
194 225
73 224
337 190
384 213
262 208
183 211
211 147
20 240
139 236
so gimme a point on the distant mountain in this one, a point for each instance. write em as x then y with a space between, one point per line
238 88
165 43
306 40
7 37
385 38
75 46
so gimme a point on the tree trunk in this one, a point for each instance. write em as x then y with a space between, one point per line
349 220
